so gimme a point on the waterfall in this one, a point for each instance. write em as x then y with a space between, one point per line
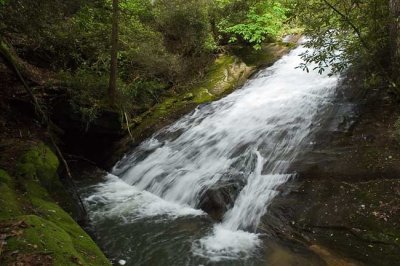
250 136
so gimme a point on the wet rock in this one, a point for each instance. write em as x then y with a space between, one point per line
277 254
220 198
344 205
357 220
355 142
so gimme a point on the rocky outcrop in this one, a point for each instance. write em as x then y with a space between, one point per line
356 220
345 202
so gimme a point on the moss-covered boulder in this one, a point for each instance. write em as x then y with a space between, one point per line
34 229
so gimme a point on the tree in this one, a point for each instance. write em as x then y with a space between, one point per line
184 25
112 89
344 32
263 20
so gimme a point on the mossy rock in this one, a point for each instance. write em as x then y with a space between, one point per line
36 228
8 198
39 164
35 235
203 96
265 56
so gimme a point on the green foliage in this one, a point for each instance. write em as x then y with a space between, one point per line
39 29
162 44
88 92
344 33
8 197
249 22
262 21
142 91
184 25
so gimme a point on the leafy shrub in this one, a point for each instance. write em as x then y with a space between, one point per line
184 25
88 92
262 21
141 92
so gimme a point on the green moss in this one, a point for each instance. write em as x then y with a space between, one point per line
203 96
41 236
39 163
8 198
50 230
5 178
216 72
200 93
267 55
162 109
215 77
79 240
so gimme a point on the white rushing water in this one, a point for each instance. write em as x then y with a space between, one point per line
249 137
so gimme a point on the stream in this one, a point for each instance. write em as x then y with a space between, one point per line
148 209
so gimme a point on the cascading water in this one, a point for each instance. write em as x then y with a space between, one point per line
250 137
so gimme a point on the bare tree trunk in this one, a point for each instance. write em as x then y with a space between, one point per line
112 89
395 39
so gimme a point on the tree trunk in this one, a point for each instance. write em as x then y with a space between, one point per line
112 89
395 39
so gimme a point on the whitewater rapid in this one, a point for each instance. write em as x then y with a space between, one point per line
251 136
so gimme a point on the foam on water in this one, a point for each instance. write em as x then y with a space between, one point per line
250 137
115 199
225 244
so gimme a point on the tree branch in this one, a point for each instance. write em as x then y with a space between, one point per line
392 83
348 20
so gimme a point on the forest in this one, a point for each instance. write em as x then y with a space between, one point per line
199 132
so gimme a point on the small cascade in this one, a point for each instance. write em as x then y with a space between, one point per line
250 136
